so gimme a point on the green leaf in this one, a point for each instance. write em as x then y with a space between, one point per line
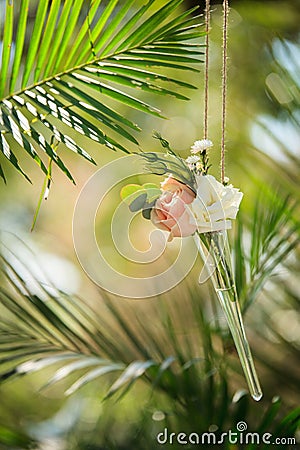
44 194
162 164
140 61
177 28
163 367
19 44
64 18
176 24
132 72
291 421
12 125
6 44
118 95
68 369
90 376
64 33
70 26
91 107
14 438
185 36
113 24
133 83
270 415
239 260
274 235
126 28
145 28
95 32
109 38
160 56
140 197
153 192
15 358
47 37
34 41
8 153
172 50
68 117
134 371
39 364
2 174
83 33
128 191
139 202
61 137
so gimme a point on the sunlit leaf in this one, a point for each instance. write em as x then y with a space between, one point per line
71 53
92 375
134 371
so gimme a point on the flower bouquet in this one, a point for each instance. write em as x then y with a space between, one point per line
192 202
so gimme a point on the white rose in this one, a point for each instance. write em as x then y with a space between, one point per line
215 204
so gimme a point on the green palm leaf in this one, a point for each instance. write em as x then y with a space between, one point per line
79 58
6 45
2 174
273 236
51 328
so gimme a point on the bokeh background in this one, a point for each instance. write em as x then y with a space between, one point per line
262 158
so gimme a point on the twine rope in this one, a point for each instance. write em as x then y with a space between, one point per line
224 86
207 25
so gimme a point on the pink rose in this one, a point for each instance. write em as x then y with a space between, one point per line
171 212
182 190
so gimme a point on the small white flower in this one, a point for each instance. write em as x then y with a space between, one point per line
200 146
192 159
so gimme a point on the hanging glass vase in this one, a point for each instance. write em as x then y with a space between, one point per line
215 252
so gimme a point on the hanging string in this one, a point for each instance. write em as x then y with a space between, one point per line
224 86
207 24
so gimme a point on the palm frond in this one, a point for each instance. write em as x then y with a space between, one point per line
80 59
264 244
50 328
184 369
2 174
45 332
